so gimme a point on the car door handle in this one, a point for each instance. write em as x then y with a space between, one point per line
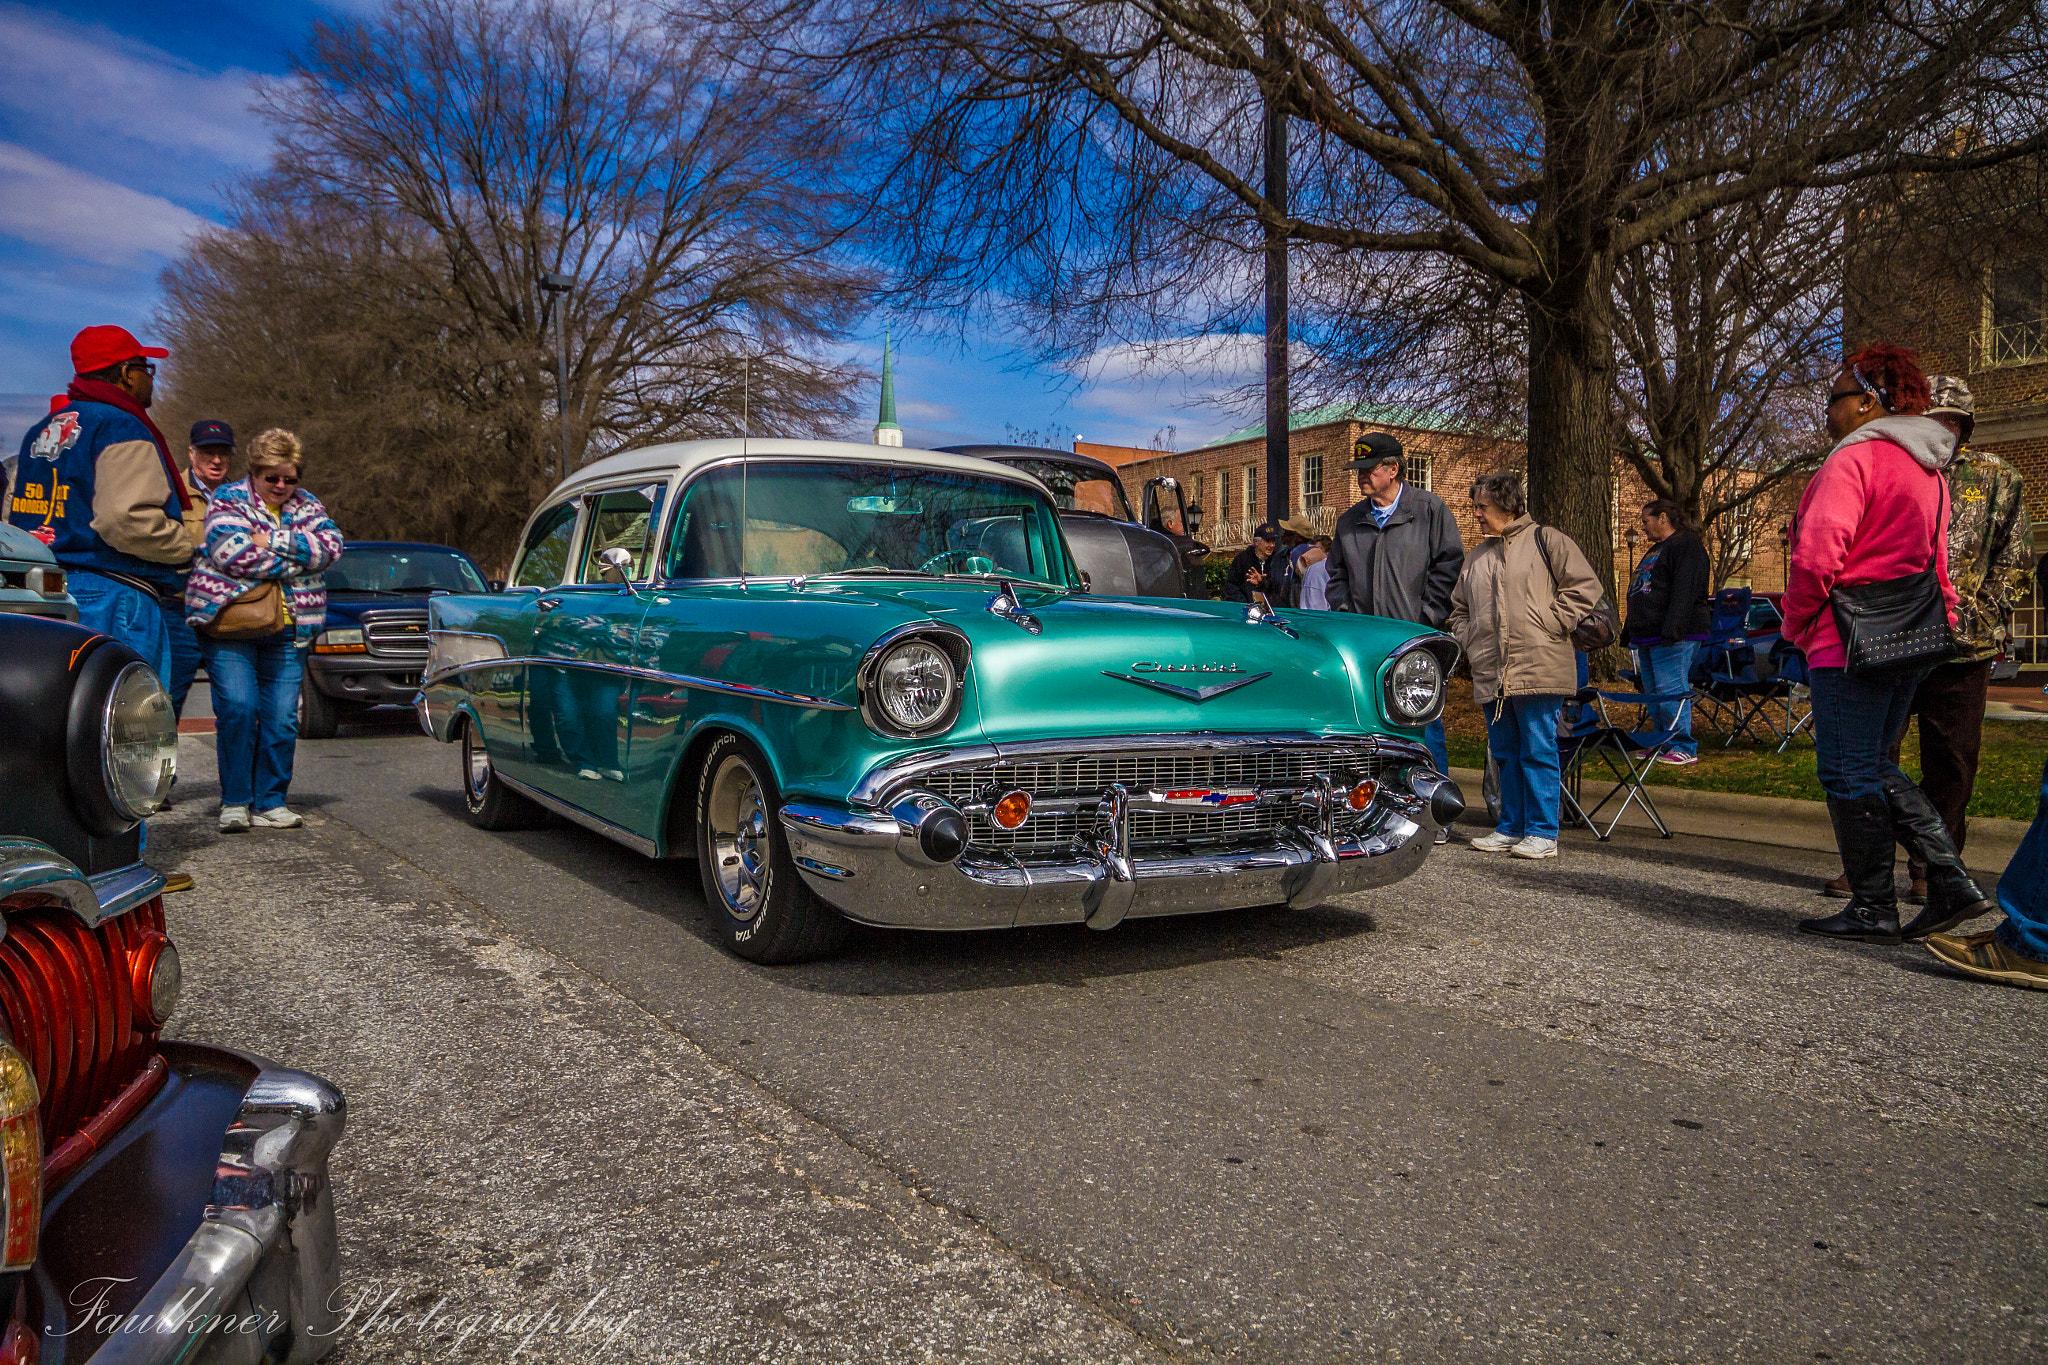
547 604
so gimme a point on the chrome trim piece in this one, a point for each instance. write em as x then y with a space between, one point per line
1260 613
266 1251
577 815
730 689
31 868
1005 606
950 638
1445 648
1190 693
1108 900
125 888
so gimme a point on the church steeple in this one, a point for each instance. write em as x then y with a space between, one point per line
887 433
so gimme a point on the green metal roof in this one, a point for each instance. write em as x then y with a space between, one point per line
1371 414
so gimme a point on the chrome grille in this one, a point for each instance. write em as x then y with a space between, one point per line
1165 770
396 634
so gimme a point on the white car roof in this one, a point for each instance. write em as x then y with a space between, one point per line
683 458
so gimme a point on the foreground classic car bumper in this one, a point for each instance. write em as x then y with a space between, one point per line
909 865
231 1256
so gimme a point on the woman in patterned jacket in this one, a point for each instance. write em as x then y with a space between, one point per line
264 528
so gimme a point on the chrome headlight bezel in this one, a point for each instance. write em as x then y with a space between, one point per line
949 642
137 701
1433 656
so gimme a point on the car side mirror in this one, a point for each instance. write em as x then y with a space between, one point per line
1087 582
616 565
495 584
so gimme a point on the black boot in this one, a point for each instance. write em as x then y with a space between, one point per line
1863 832
1952 896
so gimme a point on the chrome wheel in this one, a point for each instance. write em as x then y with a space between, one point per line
736 820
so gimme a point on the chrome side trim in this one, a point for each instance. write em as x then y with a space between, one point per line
32 869
266 1251
730 689
597 824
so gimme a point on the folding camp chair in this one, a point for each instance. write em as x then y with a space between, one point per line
1790 662
1592 733
1724 657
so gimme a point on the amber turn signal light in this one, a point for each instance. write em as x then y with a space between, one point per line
1361 795
21 1159
1013 810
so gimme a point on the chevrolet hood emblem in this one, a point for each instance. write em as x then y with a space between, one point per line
1155 675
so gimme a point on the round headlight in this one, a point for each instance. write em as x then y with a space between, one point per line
138 743
915 685
1415 687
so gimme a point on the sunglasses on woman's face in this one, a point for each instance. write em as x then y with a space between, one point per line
279 480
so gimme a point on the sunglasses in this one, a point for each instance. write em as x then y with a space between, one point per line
147 367
279 480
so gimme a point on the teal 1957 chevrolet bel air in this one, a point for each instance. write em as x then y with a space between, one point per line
856 682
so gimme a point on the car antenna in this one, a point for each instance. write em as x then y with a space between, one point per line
746 380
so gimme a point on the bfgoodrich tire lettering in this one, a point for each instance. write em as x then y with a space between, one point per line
759 904
491 804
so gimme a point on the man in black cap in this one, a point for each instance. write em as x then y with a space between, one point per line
208 452
1396 552
1258 568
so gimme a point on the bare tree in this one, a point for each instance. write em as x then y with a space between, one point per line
1098 160
436 161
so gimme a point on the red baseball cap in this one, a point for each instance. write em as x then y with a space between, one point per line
95 348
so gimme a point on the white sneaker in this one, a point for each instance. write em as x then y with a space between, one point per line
1533 847
1494 842
277 817
234 819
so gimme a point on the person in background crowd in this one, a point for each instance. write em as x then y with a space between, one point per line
1297 538
1397 553
207 456
1667 619
2016 951
264 528
1258 567
1989 560
95 483
1875 511
1514 620
1315 576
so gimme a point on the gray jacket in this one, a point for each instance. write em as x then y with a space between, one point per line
1407 569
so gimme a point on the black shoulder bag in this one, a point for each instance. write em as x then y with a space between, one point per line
1898 622
1598 629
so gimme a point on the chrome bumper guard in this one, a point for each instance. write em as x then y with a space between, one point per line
266 1251
877 866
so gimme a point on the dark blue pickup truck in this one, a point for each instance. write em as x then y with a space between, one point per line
374 646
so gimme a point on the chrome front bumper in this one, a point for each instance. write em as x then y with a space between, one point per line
875 867
266 1251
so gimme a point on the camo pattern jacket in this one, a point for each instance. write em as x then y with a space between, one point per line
1990 550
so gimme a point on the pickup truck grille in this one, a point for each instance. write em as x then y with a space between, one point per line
396 634
1086 775
69 997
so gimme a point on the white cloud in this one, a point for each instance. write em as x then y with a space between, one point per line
91 83
86 218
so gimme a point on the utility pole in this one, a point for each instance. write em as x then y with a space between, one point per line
1276 286
561 285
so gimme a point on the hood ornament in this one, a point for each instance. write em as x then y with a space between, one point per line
1006 605
1147 675
1261 613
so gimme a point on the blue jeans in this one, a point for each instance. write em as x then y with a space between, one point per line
1439 747
1857 717
184 646
1667 670
1523 741
255 716
2023 890
123 613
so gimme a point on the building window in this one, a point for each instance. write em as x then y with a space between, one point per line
1198 490
1738 531
1223 494
2016 315
1311 483
1251 493
1415 469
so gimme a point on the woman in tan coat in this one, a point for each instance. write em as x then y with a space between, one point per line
1513 612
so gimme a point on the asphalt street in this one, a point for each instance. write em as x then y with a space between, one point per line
1606 1108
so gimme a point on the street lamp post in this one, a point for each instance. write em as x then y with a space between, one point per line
561 284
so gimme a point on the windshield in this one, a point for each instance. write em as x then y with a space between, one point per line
804 519
402 571
1077 488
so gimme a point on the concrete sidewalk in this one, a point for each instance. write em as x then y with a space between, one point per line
1755 819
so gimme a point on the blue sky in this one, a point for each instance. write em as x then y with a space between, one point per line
119 123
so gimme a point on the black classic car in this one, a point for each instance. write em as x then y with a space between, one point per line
374 646
1122 555
164 1201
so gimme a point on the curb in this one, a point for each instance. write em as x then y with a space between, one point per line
1773 820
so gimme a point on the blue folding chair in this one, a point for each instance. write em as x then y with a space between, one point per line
1591 732
1789 661
1726 658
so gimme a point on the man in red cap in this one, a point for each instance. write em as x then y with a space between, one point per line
95 483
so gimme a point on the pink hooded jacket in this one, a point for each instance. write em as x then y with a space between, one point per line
1877 509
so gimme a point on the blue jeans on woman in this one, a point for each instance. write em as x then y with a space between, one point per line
2023 890
1522 737
255 716
1857 717
1667 670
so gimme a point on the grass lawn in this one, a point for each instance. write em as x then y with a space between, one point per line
2008 775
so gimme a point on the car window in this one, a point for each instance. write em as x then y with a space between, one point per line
828 518
545 557
1077 488
413 570
622 519
1762 613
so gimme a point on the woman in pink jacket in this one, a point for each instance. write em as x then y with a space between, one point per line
1876 510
